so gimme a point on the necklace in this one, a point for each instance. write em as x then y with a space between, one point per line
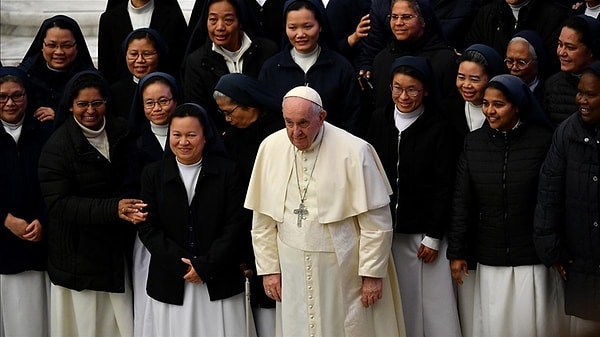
302 211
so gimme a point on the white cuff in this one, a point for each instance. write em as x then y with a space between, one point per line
431 243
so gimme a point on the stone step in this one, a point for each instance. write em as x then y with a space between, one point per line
21 19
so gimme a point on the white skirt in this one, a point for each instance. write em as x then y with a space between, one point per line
141 312
264 319
198 316
24 304
465 298
523 301
90 313
428 297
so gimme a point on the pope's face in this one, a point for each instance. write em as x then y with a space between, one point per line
301 121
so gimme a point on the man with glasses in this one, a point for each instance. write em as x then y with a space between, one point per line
322 228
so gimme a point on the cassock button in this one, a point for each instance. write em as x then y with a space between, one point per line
309 287
310 297
312 316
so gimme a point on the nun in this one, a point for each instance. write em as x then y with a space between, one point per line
494 197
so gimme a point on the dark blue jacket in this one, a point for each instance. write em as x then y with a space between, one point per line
332 76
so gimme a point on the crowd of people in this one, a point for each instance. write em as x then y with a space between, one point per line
413 168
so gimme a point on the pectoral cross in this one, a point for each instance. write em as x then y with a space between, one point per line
301 211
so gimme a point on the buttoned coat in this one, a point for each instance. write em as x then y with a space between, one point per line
209 231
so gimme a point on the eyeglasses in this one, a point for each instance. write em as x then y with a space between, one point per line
86 104
17 97
162 102
411 92
403 17
520 63
64 46
133 55
227 113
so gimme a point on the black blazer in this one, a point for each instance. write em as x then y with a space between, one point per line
208 232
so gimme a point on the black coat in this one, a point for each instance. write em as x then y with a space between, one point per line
21 196
429 46
115 25
149 148
332 76
559 96
122 94
48 85
88 243
242 145
209 232
567 216
420 168
494 25
267 21
204 67
454 17
496 186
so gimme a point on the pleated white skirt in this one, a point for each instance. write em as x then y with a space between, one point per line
523 301
198 316
428 297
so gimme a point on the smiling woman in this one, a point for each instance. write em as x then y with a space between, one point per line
567 201
194 231
57 53
309 58
414 143
494 198
225 48
23 220
88 173
143 51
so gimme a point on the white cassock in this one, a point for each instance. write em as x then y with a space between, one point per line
346 234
